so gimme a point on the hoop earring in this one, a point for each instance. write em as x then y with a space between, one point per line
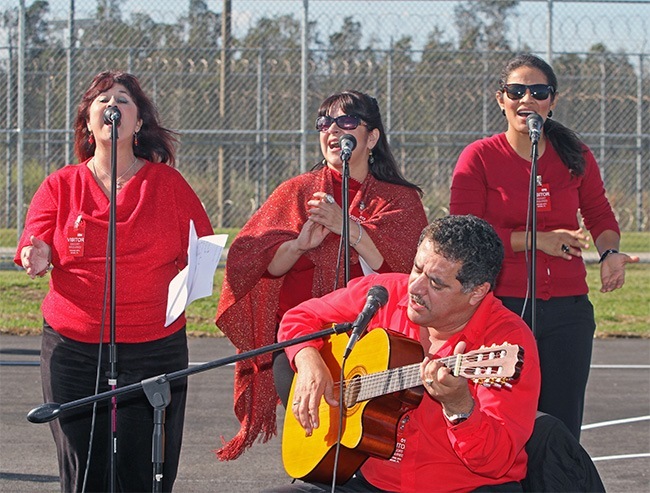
550 114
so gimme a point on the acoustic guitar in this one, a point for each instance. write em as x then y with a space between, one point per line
382 382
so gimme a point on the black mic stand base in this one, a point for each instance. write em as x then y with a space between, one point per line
159 394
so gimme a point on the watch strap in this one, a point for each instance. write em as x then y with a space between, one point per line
459 417
604 255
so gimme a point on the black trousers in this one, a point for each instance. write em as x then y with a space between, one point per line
565 332
68 373
358 484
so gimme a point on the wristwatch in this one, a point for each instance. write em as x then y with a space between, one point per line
455 419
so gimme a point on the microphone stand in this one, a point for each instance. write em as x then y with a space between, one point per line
345 205
158 393
113 118
533 238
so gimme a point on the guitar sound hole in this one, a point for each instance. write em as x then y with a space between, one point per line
352 391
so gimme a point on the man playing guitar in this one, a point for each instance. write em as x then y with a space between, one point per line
465 434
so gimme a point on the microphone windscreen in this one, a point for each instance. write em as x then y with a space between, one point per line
347 141
379 293
534 121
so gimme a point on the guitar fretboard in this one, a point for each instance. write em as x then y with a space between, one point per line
484 366
368 387
365 387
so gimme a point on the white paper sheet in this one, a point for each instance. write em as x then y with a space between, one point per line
197 278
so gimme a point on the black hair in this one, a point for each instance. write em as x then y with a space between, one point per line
565 141
383 167
470 241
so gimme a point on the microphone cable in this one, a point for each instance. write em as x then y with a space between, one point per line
528 251
93 419
342 410
339 255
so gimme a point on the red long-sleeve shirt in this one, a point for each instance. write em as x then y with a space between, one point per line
153 216
434 455
492 181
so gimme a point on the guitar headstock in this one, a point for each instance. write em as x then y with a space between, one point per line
492 366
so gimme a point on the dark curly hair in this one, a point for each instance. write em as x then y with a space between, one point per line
384 167
470 241
155 143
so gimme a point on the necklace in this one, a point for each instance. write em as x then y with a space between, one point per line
119 184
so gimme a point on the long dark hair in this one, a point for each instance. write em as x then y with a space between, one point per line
564 140
155 143
384 167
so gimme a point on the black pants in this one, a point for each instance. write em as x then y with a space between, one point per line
283 376
565 332
358 484
68 372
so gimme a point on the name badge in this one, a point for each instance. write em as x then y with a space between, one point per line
543 198
77 237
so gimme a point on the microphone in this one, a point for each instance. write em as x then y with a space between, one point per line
347 143
377 297
112 115
535 124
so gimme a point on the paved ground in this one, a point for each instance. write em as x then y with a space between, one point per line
616 434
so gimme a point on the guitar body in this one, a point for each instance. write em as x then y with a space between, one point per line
368 427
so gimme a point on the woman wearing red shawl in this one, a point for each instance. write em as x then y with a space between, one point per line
288 251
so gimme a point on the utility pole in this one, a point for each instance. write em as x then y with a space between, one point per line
224 178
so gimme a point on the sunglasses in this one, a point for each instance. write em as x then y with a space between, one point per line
538 91
344 122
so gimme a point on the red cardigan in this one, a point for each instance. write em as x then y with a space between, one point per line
491 181
153 215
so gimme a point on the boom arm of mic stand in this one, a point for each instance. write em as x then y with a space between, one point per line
49 411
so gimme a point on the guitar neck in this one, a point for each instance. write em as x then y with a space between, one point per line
368 387
492 366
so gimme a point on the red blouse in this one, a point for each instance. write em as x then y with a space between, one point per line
153 219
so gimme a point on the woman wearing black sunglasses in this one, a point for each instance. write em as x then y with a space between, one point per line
289 250
491 180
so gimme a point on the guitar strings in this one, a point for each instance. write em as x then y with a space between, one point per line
364 387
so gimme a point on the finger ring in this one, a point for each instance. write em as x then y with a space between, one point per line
328 198
565 248
429 382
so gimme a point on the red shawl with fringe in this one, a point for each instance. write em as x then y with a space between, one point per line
393 216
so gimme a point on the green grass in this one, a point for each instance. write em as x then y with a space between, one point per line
622 313
631 241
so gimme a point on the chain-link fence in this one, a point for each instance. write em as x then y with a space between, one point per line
241 81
